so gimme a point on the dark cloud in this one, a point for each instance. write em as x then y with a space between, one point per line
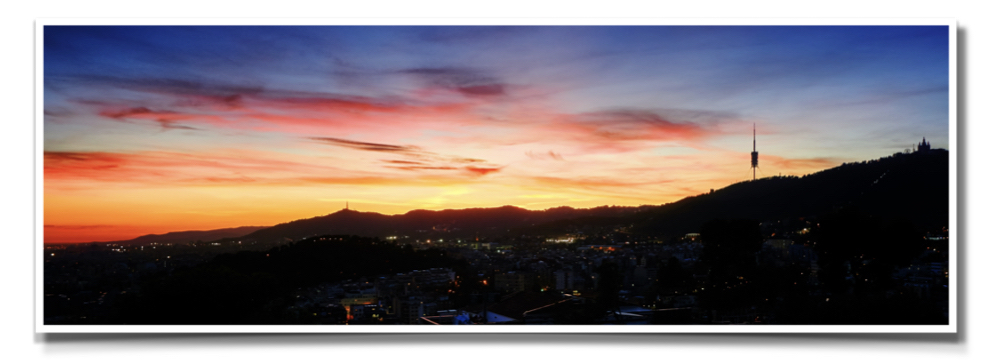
167 120
70 156
164 85
224 92
191 93
403 162
168 124
233 101
128 112
366 146
424 160
333 102
466 81
494 89
105 159
669 117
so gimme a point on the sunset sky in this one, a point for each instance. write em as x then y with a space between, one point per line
152 129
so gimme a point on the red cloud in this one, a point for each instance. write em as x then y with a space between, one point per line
482 171
81 164
170 168
77 227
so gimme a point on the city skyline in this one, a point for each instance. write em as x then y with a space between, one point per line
156 129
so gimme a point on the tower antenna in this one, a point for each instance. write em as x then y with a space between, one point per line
755 155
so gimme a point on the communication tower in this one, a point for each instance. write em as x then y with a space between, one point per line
755 155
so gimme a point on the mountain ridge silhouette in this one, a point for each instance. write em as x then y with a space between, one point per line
909 186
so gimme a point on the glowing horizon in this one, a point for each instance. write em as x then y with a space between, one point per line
153 129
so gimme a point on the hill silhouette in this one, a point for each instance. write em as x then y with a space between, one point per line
462 223
189 236
902 186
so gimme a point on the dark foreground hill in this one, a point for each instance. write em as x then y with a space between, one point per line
259 287
914 187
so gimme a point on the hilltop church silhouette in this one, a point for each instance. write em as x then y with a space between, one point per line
924 146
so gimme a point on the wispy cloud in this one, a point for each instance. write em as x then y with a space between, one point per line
465 81
368 146
550 155
77 227
166 119
174 168
167 102
422 160
404 162
630 125
627 130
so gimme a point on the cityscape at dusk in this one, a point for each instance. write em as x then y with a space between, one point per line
459 175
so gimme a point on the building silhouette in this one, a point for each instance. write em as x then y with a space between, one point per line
924 146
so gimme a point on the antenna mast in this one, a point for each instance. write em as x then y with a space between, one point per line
755 155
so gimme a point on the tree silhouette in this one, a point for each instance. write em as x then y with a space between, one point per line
257 287
860 252
729 253
608 287
671 278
